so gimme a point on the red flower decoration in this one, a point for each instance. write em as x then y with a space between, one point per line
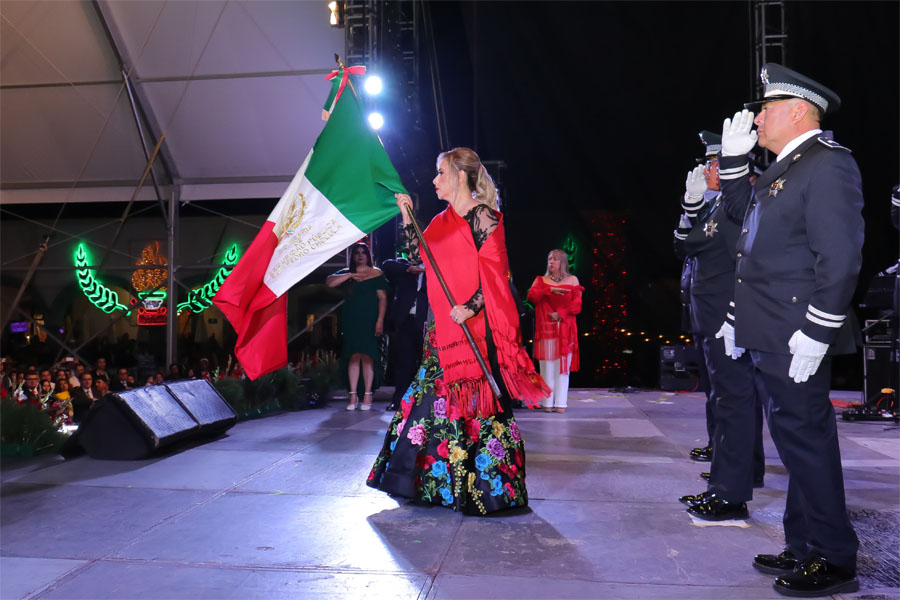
443 449
510 490
473 428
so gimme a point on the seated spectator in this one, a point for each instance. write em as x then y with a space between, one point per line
46 392
175 372
60 406
100 370
120 384
101 388
151 380
83 397
30 391
160 377
75 378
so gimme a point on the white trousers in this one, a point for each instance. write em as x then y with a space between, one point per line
558 383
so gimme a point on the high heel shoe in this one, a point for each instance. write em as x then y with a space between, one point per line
365 405
560 409
352 405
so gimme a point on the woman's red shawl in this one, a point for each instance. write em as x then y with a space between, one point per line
464 268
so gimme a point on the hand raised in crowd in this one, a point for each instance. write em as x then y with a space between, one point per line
738 135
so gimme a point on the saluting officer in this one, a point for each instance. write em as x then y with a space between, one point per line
798 258
737 456
701 189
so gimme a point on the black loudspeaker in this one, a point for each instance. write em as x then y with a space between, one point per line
136 423
880 370
679 368
204 402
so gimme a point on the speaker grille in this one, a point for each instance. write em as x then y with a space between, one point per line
158 411
203 401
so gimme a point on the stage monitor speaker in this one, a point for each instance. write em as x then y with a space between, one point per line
205 404
133 424
880 370
679 368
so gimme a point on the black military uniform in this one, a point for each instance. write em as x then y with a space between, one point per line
798 257
735 407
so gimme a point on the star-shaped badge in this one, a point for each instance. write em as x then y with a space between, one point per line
776 187
711 228
764 76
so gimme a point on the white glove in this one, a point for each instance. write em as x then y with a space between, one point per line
738 136
727 331
695 187
695 184
808 355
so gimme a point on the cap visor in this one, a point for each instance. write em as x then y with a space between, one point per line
755 104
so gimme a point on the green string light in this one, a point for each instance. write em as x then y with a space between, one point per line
98 294
200 299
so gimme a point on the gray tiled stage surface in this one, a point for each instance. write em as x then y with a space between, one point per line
278 508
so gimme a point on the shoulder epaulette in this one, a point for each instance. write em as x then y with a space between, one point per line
833 145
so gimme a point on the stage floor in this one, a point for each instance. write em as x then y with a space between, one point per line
278 508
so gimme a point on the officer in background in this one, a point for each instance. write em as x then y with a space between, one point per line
737 455
699 192
406 322
798 258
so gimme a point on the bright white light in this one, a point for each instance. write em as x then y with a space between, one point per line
332 6
373 85
376 120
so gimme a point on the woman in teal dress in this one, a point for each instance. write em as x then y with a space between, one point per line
362 321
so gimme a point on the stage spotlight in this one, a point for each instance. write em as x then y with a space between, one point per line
337 14
376 121
373 85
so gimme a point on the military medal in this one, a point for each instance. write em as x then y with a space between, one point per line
711 228
776 187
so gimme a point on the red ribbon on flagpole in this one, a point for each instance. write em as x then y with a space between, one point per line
345 76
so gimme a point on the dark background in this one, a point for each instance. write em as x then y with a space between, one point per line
595 107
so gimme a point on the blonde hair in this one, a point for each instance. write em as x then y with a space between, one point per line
478 180
563 262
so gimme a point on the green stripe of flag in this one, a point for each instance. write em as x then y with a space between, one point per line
351 168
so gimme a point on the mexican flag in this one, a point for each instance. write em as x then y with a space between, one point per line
344 190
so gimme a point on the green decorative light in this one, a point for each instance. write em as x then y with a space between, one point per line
570 247
200 299
99 295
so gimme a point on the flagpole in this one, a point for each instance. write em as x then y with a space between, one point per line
437 271
424 245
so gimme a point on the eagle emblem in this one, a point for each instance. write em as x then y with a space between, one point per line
295 215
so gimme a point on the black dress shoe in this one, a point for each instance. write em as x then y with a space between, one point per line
704 476
719 510
693 499
702 454
773 564
816 578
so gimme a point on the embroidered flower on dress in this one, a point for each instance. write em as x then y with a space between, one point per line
442 449
439 468
496 448
440 408
457 454
499 429
482 462
514 432
416 434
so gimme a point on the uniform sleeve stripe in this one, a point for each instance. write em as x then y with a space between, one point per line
729 316
680 236
734 174
825 315
731 304
822 322
744 167
895 201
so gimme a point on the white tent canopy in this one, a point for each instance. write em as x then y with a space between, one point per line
236 86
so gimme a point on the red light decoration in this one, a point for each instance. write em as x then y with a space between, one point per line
609 303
